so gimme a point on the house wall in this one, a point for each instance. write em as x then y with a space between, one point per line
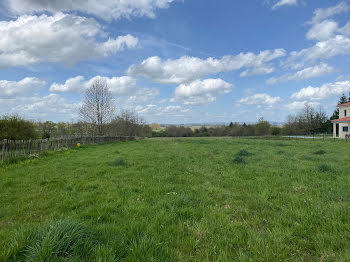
341 133
341 111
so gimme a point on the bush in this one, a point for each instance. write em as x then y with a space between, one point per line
275 130
16 128
262 128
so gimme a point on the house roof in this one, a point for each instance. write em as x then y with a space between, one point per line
345 104
343 119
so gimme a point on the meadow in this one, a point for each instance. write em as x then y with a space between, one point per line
195 199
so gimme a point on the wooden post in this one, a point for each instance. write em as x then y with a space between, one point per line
3 150
39 148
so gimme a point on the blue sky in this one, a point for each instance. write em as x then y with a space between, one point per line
190 61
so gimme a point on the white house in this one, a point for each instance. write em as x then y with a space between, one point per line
341 126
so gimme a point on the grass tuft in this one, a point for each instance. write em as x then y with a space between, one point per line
240 157
320 152
61 241
239 160
324 168
119 162
243 153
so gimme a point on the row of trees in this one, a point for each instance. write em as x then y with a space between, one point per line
307 122
126 124
234 129
99 118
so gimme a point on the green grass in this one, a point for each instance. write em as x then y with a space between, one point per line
180 200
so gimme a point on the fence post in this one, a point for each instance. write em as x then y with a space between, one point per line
3 150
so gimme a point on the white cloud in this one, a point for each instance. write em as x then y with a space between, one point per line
140 96
187 69
105 9
118 86
202 92
259 99
306 73
323 31
339 45
297 105
10 89
327 29
51 107
281 3
324 13
319 93
58 38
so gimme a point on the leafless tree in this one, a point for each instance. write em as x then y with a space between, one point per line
98 105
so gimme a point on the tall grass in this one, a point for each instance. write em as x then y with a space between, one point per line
61 241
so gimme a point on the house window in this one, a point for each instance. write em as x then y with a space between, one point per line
344 112
345 129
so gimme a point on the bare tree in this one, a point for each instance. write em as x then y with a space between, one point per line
98 106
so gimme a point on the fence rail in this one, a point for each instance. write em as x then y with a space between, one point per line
11 149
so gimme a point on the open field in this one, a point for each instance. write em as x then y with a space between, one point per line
202 199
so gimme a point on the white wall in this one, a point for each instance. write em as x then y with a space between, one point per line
341 111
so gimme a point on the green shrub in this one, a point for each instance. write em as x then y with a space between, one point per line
16 128
61 241
275 130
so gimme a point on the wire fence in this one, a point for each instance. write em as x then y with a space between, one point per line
17 149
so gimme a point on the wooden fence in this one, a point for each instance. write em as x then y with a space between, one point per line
26 148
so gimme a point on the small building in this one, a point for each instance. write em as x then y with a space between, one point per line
341 126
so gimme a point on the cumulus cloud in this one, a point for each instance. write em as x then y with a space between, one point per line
259 99
202 92
297 105
323 31
327 29
187 69
306 73
59 38
105 9
281 3
10 89
118 86
50 107
321 14
339 45
318 93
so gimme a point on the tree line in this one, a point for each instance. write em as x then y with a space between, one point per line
98 118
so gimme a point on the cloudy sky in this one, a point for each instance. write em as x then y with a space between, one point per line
175 61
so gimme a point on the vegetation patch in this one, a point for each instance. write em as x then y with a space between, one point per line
64 240
320 152
243 153
178 200
240 157
324 168
119 162
239 160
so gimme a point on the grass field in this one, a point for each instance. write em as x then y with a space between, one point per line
202 199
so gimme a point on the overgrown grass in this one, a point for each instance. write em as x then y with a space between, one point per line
61 241
180 200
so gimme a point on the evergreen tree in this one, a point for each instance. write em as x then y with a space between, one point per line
343 99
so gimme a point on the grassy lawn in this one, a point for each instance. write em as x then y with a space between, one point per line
202 199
